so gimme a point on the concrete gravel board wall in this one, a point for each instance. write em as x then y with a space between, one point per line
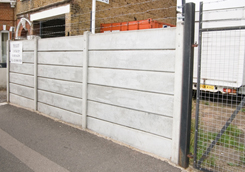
133 79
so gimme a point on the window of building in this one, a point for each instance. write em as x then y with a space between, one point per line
50 28
50 22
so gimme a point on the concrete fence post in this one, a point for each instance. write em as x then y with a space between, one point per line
35 73
177 91
8 70
85 79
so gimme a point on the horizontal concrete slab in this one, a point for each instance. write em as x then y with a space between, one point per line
61 87
22 91
22 68
157 60
60 101
21 101
140 80
21 79
60 114
27 45
61 72
61 58
28 57
148 122
61 44
140 39
138 100
138 139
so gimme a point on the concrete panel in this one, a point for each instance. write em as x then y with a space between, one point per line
61 44
158 60
22 68
28 57
141 140
60 114
60 101
22 91
177 92
148 122
61 72
26 80
61 58
21 101
139 80
140 39
62 87
28 45
3 78
143 101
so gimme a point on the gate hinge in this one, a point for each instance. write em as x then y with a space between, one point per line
190 155
195 44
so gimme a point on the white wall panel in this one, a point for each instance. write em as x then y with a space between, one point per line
61 87
139 80
28 45
21 101
60 114
61 72
28 57
61 44
140 39
148 122
141 140
61 58
21 79
22 68
153 60
143 101
22 91
60 101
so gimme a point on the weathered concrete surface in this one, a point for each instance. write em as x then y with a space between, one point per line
61 146
3 96
3 78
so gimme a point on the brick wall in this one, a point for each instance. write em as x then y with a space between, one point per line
26 5
78 20
6 16
80 12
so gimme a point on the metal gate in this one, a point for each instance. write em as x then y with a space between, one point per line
220 112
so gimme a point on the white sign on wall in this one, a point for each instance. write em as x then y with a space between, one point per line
16 52
105 1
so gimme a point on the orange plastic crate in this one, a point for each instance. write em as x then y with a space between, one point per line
132 25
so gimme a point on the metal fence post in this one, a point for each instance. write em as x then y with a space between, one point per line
183 8
187 82
198 81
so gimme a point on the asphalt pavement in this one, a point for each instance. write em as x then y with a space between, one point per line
32 142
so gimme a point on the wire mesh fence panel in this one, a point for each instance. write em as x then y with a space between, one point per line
221 116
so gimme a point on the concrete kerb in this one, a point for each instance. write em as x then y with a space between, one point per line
101 136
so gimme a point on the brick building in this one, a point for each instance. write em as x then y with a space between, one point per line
6 22
52 18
